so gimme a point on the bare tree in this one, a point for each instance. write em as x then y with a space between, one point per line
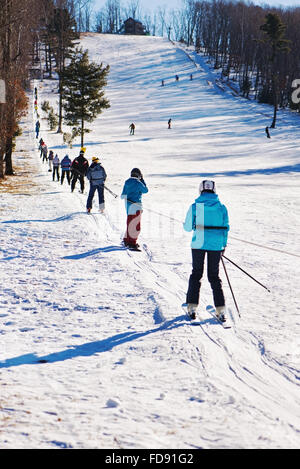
18 25
133 9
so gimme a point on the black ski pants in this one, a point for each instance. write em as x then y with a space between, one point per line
55 172
66 173
213 262
75 177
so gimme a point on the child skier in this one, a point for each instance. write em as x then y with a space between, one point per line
132 192
96 175
208 219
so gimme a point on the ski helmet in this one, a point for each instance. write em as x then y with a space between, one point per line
95 159
136 173
207 186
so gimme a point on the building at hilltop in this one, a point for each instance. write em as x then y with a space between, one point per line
134 27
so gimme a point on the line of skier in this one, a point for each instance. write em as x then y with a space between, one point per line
132 127
207 218
163 82
79 168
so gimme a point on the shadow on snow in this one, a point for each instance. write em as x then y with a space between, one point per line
247 172
92 348
93 252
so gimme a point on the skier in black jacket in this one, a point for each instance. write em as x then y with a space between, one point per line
79 169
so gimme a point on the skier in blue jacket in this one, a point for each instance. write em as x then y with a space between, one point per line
208 219
132 192
65 169
96 174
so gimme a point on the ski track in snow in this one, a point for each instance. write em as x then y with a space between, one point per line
96 351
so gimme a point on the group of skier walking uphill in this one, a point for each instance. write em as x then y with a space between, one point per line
207 218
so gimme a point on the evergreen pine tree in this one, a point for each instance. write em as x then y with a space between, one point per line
61 36
275 31
83 92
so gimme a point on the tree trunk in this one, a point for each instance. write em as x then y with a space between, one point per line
275 97
1 164
82 133
8 157
50 61
59 130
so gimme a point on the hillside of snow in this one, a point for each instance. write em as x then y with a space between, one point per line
96 350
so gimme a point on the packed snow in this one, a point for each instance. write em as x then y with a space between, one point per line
96 349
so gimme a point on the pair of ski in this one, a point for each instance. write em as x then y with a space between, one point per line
212 311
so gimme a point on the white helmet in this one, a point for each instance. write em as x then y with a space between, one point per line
207 186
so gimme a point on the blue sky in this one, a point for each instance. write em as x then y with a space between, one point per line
148 5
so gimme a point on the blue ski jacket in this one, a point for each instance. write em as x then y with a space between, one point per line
132 192
208 219
96 174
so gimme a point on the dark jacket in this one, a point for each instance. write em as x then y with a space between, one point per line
80 165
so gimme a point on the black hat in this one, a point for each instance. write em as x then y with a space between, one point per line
136 173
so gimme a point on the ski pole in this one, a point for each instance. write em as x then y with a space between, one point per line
247 273
237 308
111 192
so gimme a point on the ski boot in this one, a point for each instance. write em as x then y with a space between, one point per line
133 247
191 309
220 313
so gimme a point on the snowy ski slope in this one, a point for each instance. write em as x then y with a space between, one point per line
96 351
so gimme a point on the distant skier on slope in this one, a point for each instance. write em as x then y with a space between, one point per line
132 193
96 175
44 152
79 169
37 128
41 143
132 129
208 219
169 123
267 132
